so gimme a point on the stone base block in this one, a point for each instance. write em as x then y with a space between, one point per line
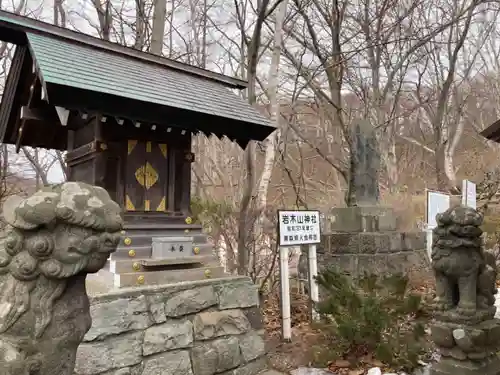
407 262
148 265
372 242
466 341
172 247
360 219
449 366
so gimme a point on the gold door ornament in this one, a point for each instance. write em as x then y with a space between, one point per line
146 176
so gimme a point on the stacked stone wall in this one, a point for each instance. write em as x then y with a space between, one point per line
193 328
375 252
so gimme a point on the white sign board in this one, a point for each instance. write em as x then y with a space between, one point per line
436 203
298 228
469 194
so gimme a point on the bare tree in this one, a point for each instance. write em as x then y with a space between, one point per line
444 71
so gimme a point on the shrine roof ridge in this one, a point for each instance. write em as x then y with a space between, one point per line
14 29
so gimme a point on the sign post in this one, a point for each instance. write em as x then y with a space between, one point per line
436 203
295 228
469 194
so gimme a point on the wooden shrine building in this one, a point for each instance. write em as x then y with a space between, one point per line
125 118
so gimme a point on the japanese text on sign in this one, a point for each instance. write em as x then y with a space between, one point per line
298 228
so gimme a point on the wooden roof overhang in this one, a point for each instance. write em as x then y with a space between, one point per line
492 132
60 79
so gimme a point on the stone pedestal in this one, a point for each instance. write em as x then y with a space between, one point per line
467 349
364 239
467 341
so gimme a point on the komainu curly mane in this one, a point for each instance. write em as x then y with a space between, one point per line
55 237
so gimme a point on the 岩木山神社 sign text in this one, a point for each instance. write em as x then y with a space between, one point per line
298 228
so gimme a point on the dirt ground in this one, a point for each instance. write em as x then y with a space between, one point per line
286 356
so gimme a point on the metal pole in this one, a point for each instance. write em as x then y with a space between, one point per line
285 295
313 286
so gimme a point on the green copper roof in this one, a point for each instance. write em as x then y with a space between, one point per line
86 67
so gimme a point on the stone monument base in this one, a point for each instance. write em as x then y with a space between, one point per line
360 219
365 239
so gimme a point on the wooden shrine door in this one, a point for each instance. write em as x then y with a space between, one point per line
146 176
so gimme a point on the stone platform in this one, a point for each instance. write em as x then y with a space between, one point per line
191 328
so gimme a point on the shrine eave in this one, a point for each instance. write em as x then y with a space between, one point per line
492 132
161 117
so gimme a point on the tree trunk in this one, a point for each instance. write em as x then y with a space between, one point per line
104 17
158 32
273 139
245 205
441 179
140 23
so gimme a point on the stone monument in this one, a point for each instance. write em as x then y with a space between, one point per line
55 237
365 214
363 238
365 158
464 328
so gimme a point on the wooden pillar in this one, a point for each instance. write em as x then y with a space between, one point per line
172 175
71 140
182 179
185 205
100 158
91 158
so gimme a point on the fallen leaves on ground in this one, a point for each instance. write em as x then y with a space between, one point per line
272 311
358 367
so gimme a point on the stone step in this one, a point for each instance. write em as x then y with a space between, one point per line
131 252
161 227
140 265
156 277
141 252
140 239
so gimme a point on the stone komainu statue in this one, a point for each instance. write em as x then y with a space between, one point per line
55 237
465 273
464 329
